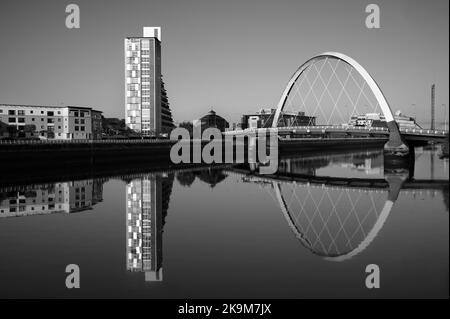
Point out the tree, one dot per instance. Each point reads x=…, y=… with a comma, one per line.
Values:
x=29, y=130
x=188, y=126
x=3, y=128
x=49, y=133
x=116, y=128
x=12, y=131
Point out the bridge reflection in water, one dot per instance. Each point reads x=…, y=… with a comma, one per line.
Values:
x=338, y=217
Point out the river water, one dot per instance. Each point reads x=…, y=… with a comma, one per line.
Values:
x=308, y=231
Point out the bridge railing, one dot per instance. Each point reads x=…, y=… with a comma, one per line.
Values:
x=423, y=131
x=334, y=127
x=325, y=128
x=109, y=141
x=311, y=128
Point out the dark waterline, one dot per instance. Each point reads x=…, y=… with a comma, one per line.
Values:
x=308, y=231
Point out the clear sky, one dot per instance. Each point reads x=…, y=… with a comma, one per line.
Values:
x=232, y=56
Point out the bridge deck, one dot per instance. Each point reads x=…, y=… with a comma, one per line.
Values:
x=347, y=130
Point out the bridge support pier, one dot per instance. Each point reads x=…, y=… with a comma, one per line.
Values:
x=396, y=146
x=399, y=165
x=445, y=148
x=395, y=181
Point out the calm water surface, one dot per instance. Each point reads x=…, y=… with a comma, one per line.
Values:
x=309, y=231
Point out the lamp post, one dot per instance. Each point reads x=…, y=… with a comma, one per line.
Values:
x=445, y=116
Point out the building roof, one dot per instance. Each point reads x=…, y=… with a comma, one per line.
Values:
x=212, y=113
x=50, y=106
x=136, y=37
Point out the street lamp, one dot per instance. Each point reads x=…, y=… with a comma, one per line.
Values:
x=445, y=116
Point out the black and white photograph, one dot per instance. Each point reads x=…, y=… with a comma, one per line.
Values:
x=224, y=155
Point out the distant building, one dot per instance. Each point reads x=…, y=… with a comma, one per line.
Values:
x=378, y=120
x=146, y=105
x=53, y=122
x=211, y=119
x=264, y=118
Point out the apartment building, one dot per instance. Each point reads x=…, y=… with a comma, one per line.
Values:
x=147, y=109
x=53, y=122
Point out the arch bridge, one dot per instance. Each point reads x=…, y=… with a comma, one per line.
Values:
x=331, y=96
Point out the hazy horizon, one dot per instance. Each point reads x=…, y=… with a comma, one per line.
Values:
x=230, y=56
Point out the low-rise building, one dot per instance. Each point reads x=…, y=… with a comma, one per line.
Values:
x=378, y=120
x=264, y=118
x=212, y=120
x=53, y=122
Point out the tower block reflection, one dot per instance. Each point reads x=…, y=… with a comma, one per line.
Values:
x=148, y=199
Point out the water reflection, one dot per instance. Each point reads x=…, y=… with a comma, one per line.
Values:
x=369, y=162
x=50, y=198
x=210, y=176
x=334, y=203
x=338, y=217
x=148, y=199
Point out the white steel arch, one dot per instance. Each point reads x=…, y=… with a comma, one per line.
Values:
x=387, y=112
